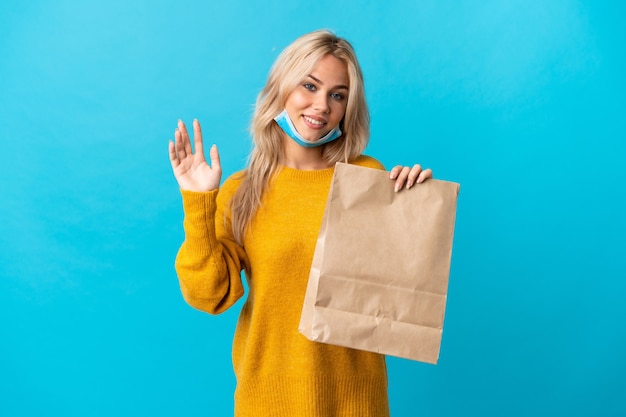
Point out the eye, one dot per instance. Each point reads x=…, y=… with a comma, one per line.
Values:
x=337, y=96
x=309, y=86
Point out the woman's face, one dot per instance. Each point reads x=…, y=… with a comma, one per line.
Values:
x=319, y=102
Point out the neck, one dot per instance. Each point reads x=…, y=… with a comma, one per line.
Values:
x=299, y=157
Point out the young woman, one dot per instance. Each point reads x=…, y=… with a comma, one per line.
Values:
x=265, y=220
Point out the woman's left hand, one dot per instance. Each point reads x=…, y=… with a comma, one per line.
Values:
x=406, y=177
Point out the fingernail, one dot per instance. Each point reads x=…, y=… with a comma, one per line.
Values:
x=408, y=185
x=396, y=188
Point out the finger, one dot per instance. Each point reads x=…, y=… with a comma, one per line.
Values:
x=197, y=139
x=424, y=175
x=172, y=151
x=185, y=137
x=179, y=145
x=393, y=174
x=402, y=176
x=215, y=159
x=413, y=175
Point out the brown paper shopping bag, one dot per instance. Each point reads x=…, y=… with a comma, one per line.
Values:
x=379, y=276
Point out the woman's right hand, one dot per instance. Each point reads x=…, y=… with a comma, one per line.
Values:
x=191, y=169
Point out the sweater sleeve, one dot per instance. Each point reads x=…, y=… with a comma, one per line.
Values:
x=210, y=261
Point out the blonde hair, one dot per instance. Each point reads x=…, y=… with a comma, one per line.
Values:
x=291, y=67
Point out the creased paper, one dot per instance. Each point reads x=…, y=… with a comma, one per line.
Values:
x=379, y=276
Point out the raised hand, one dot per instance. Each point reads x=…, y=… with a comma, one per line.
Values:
x=190, y=168
x=406, y=177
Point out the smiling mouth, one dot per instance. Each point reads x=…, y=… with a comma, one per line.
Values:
x=314, y=122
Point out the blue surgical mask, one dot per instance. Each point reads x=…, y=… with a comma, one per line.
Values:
x=286, y=124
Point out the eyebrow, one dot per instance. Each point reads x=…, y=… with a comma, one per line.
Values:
x=341, y=86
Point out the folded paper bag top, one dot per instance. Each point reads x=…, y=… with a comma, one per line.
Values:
x=379, y=276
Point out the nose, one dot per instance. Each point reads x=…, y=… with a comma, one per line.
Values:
x=321, y=103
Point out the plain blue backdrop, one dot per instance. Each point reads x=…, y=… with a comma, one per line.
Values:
x=522, y=102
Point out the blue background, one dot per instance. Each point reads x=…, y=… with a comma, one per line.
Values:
x=522, y=102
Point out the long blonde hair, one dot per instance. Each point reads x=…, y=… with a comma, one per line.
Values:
x=291, y=67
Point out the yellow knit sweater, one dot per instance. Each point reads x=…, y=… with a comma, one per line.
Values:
x=279, y=372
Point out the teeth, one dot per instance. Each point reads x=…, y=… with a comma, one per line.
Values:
x=315, y=122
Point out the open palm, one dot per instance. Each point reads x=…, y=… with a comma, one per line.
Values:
x=190, y=168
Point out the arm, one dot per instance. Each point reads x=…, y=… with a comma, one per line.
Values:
x=208, y=264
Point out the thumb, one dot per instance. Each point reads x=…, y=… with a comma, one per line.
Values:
x=215, y=158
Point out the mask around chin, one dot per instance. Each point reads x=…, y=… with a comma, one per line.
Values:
x=285, y=123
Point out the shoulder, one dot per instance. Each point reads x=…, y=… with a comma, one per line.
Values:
x=368, y=162
x=230, y=185
x=234, y=181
